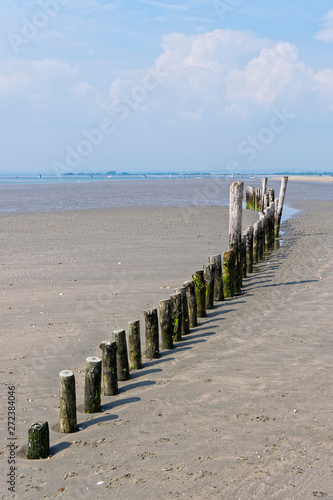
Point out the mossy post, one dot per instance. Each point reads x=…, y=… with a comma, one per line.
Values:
x=119, y=336
x=256, y=243
x=276, y=207
x=209, y=282
x=229, y=273
x=216, y=260
x=152, y=334
x=243, y=253
x=271, y=225
x=282, y=196
x=134, y=345
x=185, y=317
x=109, y=367
x=249, y=250
x=38, y=441
x=261, y=235
x=250, y=198
x=200, y=293
x=263, y=192
x=68, y=420
x=92, y=385
x=166, y=324
x=258, y=199
x=191, y=303
x=176, y=312
x=235, y=230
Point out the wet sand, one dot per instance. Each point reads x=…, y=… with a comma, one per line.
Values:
x=242, y=408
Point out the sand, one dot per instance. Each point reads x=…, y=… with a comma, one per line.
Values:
x=242, y=408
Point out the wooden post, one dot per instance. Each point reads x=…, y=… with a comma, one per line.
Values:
x=134, y=345
x=109, y=367
x=250, y=198
x=38, y=441
x=266, y=201
x=256, y=243
x=191, y=303
x=263, y=192
x=271, y=224
x=276, y=231
x=258, y=200
x=229, y=273
x=209, y=282
x=235, y=230
x=266, y=231
x=68, y=421
x=243, y=250
x=92, y=385
x=261, y=235
x=166, y=324
x=282, y=195
x=176, y=312
x=271, y=195
x=119, y=336
x=152, y=337
x=249, y=250
x=185, y=318
x=200, y=293
x=218, y=282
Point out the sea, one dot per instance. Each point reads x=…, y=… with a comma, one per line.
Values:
x=22, y=194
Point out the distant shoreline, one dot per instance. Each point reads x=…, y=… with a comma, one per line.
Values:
x=311, y=178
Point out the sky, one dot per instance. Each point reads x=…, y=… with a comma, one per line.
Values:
x=225, y=86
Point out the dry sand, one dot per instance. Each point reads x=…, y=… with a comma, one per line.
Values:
x=242, y=408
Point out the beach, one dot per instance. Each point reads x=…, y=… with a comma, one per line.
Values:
x=241, y=408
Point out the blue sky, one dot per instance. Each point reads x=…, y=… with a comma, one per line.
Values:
x=225, y=86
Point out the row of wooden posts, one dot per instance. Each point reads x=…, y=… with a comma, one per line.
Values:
x=221, y=277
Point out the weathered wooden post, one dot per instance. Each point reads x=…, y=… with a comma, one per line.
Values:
x=263, y=192
x=134, y=345
x=250, y=198
x=185, y=318
x=282, y=196
x=218, y=282
x=261, y=235
x=249, y=250
x=191, y=303
x=266, y=230
x=209, y=282
x=243, y=252
x=271, y=224
x=256, y=242
x=38, y=441
x=119, y=336
x=258, y=200
x=235, y=230
x=271, y=195
x=229, y=273
x=200, y=293
x=166, y=324
x=176, y=311
x=68, y=421
x=152, y=335
x=109, y=367
x=92, y=385
x=266, y=201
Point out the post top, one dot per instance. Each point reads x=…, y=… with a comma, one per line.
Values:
x=93, y=359
x=66, y=373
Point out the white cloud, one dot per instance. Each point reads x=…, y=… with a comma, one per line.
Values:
x=323, y=83
x=326, y=33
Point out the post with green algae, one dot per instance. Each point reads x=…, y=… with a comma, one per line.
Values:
x=152, y=334
x=109, y=367
x=229, y=273
x=166, y=324
x=218, y=281
x=261, y=235
x=249, y=250
x=38, y=441
x=209, y=282
x=258, y=200
x=185, y=317
x=191, y=303
x=68, y=420
x=134, y=345
x=243, y=254
x=235, y=230
x=250, y=198
x=282, y=196
x=123, y=373
x=256, y=243
x=176, y=313
x=92, y=385
x=200, y=293
x=271, y=225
